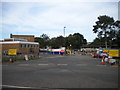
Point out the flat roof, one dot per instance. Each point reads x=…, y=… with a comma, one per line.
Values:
x=18, y=42
x=22, y=35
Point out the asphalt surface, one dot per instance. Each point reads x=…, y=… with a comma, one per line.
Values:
x=52, y=72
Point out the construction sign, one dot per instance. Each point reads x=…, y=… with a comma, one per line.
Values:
x=114, y=53
x=106, y=50
x=12, y=51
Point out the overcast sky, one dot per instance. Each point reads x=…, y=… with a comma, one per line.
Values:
x=50, y=17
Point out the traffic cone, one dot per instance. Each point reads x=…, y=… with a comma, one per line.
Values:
x=102, y=62
x=11, y=60
x=119, y=64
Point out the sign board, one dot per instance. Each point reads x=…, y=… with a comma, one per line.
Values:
x=12, y=51
x=114, y=53
x=106, y=50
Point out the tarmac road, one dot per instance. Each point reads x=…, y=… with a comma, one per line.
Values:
x=59, y=72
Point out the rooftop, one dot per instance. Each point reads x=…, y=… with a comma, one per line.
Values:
x=16, y=42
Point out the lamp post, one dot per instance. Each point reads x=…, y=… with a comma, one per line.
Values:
x=64, y=37
x=70, y=46
x=64, y=31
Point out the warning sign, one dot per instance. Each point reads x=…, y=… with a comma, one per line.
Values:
x=114, y=53
x=12, y=51
x=106, y=50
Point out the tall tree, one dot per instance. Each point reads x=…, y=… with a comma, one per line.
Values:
x=43, y=40
x=75, y=41
x=103, y=27
x=116, y=33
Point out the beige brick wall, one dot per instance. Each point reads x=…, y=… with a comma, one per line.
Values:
x=21, y=49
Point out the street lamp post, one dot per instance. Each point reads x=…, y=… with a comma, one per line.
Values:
x=64, y=37
x=70, y=46
x=64, y=31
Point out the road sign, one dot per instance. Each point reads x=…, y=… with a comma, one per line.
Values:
x=12, y=51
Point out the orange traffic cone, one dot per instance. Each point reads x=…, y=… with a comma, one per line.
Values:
x=118, y=65
x=102, y=62
x=11, y=60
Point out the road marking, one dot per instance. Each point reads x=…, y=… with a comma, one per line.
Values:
x=59, y=56
x=42, y=64
x=81, y=64
x=3, y=65
x=23, y=64
x=100, y=65
x=50, y=57
x=55, y=57
x=14, y=86
x=62, y=64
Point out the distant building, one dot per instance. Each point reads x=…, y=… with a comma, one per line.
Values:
x=23, y=45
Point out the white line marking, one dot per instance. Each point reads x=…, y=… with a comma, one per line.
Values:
x=4, y=65
x=62, y=64
x=81, y=64
x=59, y=56
x=100, y=65
x=50, y=57
x=14, y=86
x=42, y=64
x=23, y=64
x=55, y=57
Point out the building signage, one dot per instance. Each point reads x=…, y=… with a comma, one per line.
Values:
x=12, y=51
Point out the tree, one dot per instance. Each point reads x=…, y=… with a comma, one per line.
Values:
x=57, y=42
x=43, y=40
x=75, y=41
x=103, y=27
x=97, y=42
x=45, y=37
x=113, y=36
x=116, y=33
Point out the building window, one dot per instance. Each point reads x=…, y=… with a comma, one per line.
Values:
x=34, y=46
x=26, y=45
x=23, y=45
